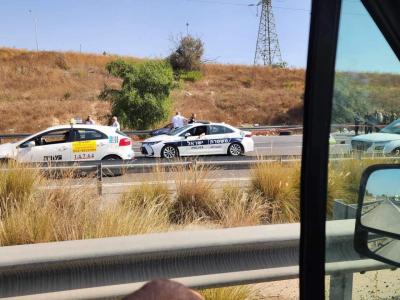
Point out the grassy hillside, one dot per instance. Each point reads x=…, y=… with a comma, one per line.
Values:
x=39, y=89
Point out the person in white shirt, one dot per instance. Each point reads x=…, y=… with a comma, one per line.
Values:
x=89, y=120
x=115, y=123
x=178, y=120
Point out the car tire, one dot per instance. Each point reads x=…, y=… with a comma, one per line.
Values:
x=235, y=149
x=112, y=171
x=169, y=152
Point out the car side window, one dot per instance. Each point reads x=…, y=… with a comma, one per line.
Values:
x=88, y=134
x=50, y=138
x=196, y=131
x=219, y=129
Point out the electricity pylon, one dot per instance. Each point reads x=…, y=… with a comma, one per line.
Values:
x=268, y=51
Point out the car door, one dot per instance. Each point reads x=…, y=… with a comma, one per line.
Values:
x=53, y=145
x=218, y=139
x=89, y=144
x=194, y=141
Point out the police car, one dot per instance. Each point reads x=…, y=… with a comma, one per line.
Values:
x=70, y=143
x=201, y=138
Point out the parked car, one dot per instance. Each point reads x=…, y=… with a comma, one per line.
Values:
x=199, y=139
x=70, y=143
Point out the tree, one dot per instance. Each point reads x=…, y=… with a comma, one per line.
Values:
x=143, y=99
x=187, y=55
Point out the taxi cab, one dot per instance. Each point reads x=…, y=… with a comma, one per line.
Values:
x=70, y=143
x=201, y=138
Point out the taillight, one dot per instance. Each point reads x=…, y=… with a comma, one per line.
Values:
x=249, y=134
x=125, y=142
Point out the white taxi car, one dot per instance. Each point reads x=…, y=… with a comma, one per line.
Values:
x=70, y=143
x=201, y=138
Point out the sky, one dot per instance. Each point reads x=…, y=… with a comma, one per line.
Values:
x=384, y=182
x=361, y=46
x=145, y=28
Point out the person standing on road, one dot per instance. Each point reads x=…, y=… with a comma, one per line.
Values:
x=192, y=119
x=178, y=120
x=115, y=123
x=357, y=120
x=89, y=120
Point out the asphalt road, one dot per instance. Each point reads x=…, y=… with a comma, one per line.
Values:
x=274, y=146
x=385, y=216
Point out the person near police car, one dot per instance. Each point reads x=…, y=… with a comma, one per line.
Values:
x=115, y=123
x=178, y=120
x=192, y=118
x=89, y=120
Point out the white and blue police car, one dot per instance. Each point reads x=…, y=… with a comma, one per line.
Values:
x=200, y=138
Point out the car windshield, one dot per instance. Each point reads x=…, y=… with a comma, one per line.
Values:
x=393, y=127
x=178, y=130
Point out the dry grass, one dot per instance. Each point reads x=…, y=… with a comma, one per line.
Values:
x=345, y=175
x=242, y=292
x=279, y=186
x=195, y=198
x=236, y=207
x=40, y=89
x=67, y=212
x=244, y=95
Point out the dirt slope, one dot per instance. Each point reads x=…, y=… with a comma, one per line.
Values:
x=39, y=89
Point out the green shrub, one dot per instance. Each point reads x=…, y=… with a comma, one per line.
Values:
x=143, y=99
x=191, y=76
x=187, y=55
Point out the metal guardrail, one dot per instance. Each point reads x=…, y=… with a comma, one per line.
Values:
x=114, y=267
x=144, y=132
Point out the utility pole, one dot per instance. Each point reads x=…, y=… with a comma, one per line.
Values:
x=35, y=21
x=187, y=28
x=267, y=52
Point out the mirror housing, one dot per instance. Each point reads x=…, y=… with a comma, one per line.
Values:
x=377, y=232
x=29, y=144
x=187, y=134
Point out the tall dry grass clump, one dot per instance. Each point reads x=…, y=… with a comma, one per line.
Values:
x=236, y=207
x=16, y=183
x=69, y=209
x=195, y=198
x=240, y=292
x=279, y=186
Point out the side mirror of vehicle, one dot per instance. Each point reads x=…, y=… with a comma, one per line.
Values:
x=29, y=144
x=377, y=232
x=187, y=134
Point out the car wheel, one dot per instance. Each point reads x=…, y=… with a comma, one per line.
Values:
x=169, y=152
x=235, y=149
x=116, y=171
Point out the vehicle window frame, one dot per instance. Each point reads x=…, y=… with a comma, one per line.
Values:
x=225, y=129
x=192, y=128
x=39, y=136
x=105, y=136
x=318, y=96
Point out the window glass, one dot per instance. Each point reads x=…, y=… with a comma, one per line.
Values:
x=228, y=65
x=51, y=137
x=197, y=130
x=218, y=129
x=364, y=122
x=88, y=134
